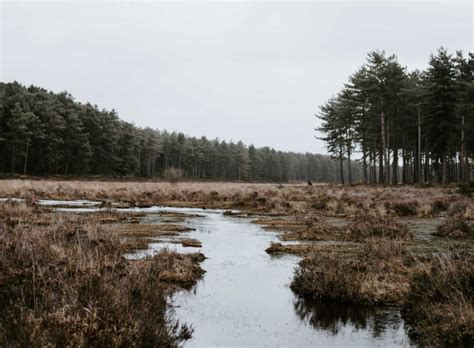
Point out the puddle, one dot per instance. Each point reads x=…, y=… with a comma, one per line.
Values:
x=72, y=203
x=422, y=228
x=11, y=200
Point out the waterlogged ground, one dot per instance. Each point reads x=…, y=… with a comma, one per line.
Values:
x=244, y=297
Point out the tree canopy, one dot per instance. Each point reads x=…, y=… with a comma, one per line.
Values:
x=426, y=117
x=45, y=133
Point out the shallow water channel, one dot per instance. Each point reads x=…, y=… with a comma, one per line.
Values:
x=244, y=298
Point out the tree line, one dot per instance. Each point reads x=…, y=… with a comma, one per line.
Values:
x=46, y=133
x=406, y=127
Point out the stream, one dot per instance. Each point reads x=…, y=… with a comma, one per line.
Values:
x=244, y=298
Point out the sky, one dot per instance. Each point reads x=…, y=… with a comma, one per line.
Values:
x=250, y=71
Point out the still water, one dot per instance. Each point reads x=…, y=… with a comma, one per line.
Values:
x=244, y=298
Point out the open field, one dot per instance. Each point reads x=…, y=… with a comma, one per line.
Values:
x=409, y=247
x=330, y=200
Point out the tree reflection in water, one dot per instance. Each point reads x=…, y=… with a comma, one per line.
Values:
x=332, y=316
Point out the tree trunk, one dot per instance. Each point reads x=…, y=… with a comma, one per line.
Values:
x=463, y=174
x=395, y=166
x=370, y=168
x=139, y=164
x=444, y=169
x=382, y=149
x=13, y=159
x=387, y=158
x=364, y=147
x=341, y=165
x=26, y=158
x=395, y=154
x=418, y=164
x=364, y=165
x=404, y=162
x=427, y=163
x=349, y=169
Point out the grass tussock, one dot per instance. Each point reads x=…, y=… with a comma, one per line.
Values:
x=137, y=235
x=404, y=208
x=66, y=283
x=440, y=304
x=303, y=228
x=372, y=226
x=309, y=228
x=455, y=227
x=295, y=249
x=374, y=273
x=191, y=243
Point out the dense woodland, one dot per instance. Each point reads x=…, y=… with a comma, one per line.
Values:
x=402, y=127
x=43, y=133
x=409, y=127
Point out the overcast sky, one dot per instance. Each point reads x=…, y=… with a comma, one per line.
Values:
x=255, y=72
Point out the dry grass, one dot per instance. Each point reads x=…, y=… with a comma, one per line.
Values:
x=376, y=272
x=137, y=236
x=440, y=304
x=298, y=227
x=434, y=289
x=455, y=227
x=355, y=250
x=191, y=243
x=295, y=249
x=330, y=200
x=370, y=226
x=66, y=283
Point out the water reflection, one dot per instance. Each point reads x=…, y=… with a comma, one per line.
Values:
x=332, y=317
x=244, y=298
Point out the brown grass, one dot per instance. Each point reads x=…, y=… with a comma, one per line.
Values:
x=370, y=226
x=379, y=262
x=374, y=273
x=455, y=227
x=440, y=304
x=191, y=243
x=331, y=200
x=295, y=249
x=66, y=283
x=297, y=227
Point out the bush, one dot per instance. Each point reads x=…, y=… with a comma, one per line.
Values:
x=173, y=175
